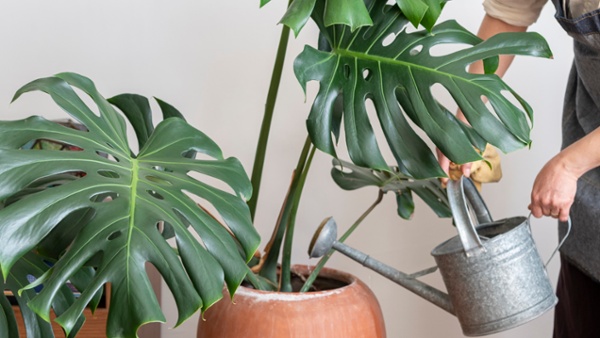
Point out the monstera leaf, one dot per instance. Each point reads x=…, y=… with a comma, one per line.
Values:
x=395, y=70
x=354, y=14
x=424, y=12
x=120, y=199
x=352, y=177
x=351, y=13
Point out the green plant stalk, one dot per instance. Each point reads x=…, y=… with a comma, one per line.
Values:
x=315, y=273
x=269, y=269
x=263, y=139
x=286, y=265
x=258, y=283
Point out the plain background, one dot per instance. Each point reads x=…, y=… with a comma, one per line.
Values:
x=212, y=60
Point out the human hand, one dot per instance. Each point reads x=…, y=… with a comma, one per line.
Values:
x=445, y=163
x=553, y=190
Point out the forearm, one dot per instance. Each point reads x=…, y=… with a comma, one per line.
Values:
x=555, y=186
x=581, y=156
x=491, y=26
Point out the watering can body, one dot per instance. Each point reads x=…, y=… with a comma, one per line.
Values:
x=498, y=288
x=492, y=270
x=493, y=274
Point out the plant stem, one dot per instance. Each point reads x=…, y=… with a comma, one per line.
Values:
x=286, y=265
x=258, y=283
x=313, y=276
x=263, y=139
x=269, y=269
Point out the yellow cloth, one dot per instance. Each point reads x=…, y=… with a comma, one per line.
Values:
x=481, y=172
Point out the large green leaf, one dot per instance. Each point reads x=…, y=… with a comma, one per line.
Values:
x=351, y=177
x=124, y=197
x=398, y=76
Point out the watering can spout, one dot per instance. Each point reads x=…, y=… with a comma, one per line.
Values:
x=325, y=239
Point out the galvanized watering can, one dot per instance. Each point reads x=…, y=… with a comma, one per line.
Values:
x=492, y=271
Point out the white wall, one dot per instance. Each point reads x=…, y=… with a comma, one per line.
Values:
x=213, y=60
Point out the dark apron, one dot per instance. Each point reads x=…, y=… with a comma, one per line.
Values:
x=581, y=115
x=577, y=312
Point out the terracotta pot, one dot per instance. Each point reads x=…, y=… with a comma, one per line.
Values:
x=350, y=311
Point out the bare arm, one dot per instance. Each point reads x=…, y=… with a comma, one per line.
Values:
x=491, y=26
x=555, y=186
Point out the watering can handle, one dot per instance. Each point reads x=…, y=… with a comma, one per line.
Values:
x=560, y=244
x=463, y=196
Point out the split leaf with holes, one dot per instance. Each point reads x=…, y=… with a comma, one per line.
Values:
x=396, y=71
x=119, y=199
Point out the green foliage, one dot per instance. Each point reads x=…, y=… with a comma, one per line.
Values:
x=115, y=205
x=32, y=266
x=424, y=12
x=351, y=13
x=397, y=76
x=100, y=213
x=351, y=177
x=354, y=14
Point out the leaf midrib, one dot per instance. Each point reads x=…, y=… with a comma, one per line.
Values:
x=132, y=206
x=340, y=52
x=381, y=59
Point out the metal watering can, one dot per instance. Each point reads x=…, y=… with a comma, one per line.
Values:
x=492, y=271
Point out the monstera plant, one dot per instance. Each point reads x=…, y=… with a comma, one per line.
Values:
x=368, y=59
x=99, y=212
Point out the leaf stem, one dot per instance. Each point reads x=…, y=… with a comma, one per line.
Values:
x=263, y=139
x=315, y=273
x=269, y=269
x=286, y=283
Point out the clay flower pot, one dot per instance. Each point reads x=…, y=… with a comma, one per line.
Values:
x=349, y=311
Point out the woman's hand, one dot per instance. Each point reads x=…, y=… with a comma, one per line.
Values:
x=554, y=190
x=444, y=162
x=555, y=186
